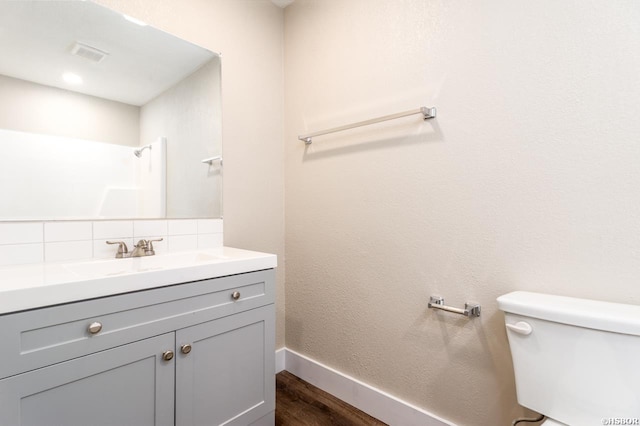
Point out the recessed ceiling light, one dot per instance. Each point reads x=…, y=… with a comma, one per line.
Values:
x=135, y=21
x=72, y=78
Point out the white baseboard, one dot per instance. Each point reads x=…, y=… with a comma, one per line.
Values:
x=280, y=359
x=372, y=401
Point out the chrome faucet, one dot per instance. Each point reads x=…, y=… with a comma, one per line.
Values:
x=140, y=249
x=143, y=248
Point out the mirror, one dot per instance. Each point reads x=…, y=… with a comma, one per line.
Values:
x=103, y=116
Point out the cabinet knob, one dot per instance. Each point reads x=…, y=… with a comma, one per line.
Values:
x=95, y=327
x=185, y=349
x=235, y=295
x=167, y=356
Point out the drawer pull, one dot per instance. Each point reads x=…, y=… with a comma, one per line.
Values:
x=235, y=295
x=95, y=328
x=185, y=349
x=167, y=356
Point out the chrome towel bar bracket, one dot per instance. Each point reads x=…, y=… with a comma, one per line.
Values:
x=470, y=309
x=427, y=113
x=210, y=160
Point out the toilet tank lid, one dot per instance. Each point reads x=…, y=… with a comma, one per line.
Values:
x=607, y=316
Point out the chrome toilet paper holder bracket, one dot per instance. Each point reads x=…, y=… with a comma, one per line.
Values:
x=470, y=309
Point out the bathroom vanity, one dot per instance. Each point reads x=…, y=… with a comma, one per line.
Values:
x=182, y=339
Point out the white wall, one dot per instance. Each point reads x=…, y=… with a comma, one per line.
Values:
x=249, y=34
x=527, y=180
x=151, y=171
x=189, y=116
x=31, y=107
x=52, y=177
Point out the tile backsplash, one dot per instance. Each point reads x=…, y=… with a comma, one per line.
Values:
x=34, y=242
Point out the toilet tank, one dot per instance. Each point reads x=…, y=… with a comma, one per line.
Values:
x=580, y=363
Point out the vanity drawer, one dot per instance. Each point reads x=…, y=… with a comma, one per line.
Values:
x=41, y=337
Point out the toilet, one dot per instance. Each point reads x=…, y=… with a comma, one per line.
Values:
x=576, y=361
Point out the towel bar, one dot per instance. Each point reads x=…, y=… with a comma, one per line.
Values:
x=470, y=309
x=427, y=113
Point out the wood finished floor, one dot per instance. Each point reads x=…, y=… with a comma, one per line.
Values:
x=299, y=403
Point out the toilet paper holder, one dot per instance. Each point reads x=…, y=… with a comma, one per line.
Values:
x=470, y=309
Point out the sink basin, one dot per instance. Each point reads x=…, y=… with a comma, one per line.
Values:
x=37, y=285
x=111, y=267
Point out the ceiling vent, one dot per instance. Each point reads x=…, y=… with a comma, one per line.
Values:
x=89, y=53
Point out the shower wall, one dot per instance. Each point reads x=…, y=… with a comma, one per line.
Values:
x=69, y=155
x=62, y=177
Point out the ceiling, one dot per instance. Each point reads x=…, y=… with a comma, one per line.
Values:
x=133, y=73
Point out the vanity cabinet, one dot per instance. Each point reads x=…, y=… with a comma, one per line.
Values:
x=223, y=379
x=199, y=353
x=126, y=385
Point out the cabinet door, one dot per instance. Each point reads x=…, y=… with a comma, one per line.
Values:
x=228, y=377
x=129, y=385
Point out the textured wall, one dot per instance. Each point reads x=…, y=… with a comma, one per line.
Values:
x=249, y=35
x=34, y=108
x=527, y=180
x=189, y=116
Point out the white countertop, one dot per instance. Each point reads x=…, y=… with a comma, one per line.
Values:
x=44, y=284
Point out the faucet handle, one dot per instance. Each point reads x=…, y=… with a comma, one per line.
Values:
x=143, y=244
x=122, y=248
x=150, y=251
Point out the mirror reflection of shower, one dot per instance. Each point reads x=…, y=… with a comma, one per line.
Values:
x=138, y=152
